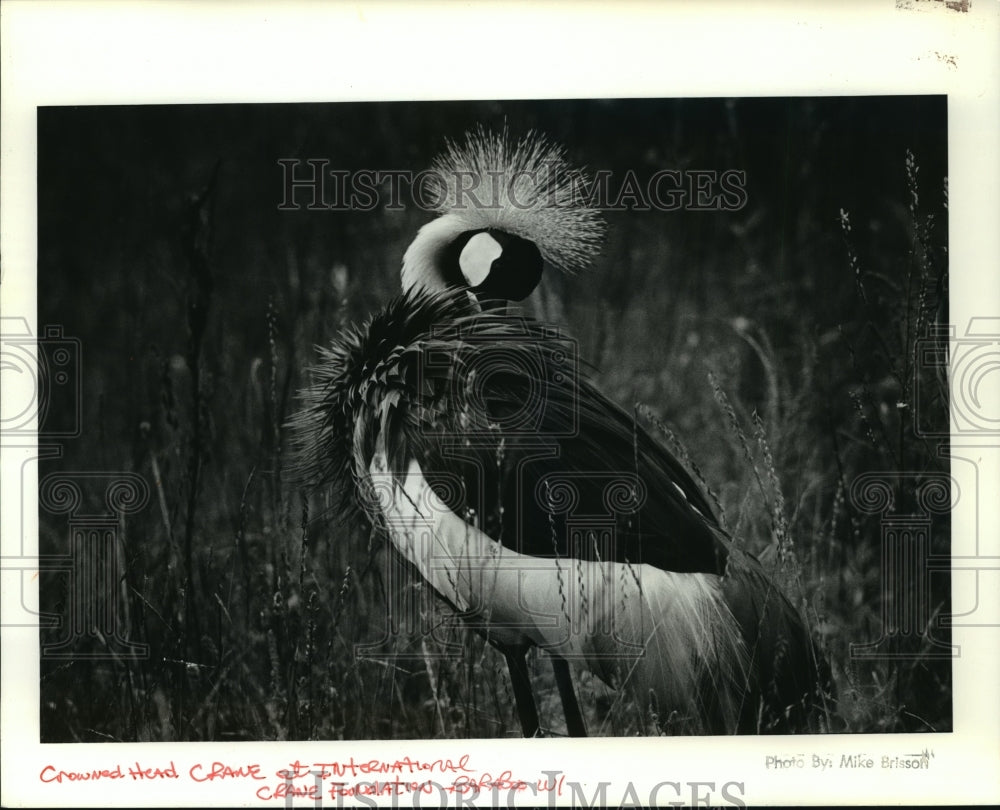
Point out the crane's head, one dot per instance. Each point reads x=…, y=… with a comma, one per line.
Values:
x=505, y=210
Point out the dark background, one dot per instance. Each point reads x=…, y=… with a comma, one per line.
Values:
x=776, y=347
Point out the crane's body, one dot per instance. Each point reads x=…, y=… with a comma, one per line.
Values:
x=668, y=638
x=468, y=439
x=539, y=510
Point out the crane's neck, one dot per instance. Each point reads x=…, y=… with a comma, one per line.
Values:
x=422, y=260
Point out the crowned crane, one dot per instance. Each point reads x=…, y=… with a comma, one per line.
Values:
x=469, y=435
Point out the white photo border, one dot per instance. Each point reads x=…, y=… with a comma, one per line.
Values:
x=162, y=52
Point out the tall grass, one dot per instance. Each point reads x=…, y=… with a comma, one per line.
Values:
x=266, y=618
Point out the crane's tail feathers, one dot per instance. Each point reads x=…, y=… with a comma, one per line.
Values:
x=525, y=188
x=720, y=655
x=790, y=687
x=678, y=650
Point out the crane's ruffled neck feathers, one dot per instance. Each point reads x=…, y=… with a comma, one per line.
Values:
x=333, y=434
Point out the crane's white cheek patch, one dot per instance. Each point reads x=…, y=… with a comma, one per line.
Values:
x=477, y=257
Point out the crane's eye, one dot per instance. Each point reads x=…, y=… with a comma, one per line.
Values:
x=493, y=264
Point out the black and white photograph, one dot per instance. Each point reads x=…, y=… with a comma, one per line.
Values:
x=671, y=429
x=412, y=443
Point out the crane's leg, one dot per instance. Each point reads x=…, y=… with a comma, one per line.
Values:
x=527, y=713
x=575, y=726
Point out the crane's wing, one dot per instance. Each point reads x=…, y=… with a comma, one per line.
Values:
x=667, y=637
x=517, y=443
x=509, y=431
